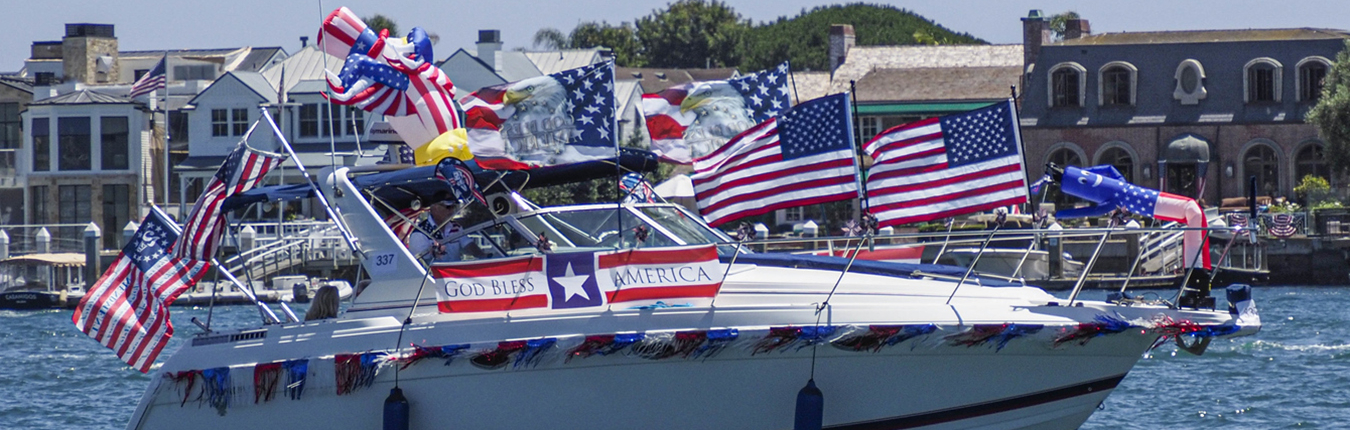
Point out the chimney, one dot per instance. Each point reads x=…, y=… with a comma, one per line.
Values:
x=1035, y=34
x=841, y=39
x=304, y=41
x=82, y=49
x=1076, y=28
x=489, y=42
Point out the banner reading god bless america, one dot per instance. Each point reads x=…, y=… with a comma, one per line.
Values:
x=633, y=277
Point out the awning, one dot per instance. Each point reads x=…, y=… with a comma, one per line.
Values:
x=1187, y=148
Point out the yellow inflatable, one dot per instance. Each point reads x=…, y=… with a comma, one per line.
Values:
x=453, y=143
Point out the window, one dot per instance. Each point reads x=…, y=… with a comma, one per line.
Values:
x=205, y=72
x=1066, y=85
x=1261, y=161
x=116, y=143
x=309, y=120
x=868, y=127
x=136, y=76
x=73, y=205
x=178, y=126
x=42, y=142
x=1190, y=88
x=42, y=79
x=10, y=125
x=73, y=143
x=792, y=214
x=1311, y=160
x=1117, y=81
x=116, y=212
x=356, y=121
x=1311, y=74
x=1262, y=80
x=38, y=212
x=331, y=124
x=220, y=122
x=240, y=126
x=1119, y=158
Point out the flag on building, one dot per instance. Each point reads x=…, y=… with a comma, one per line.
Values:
x=153, y=80
x=632, y=277
x=242, y=170
x=946, y=166
x=561, y=118
x=127, y=309
x=691, y=120
x=803, y=157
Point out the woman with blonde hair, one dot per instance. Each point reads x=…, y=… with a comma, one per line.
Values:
x=325, y=304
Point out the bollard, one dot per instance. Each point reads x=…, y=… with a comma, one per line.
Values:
x=129, y=231
x=92, y=246
x=4, y=245
x=247, y=236
x=43, y=240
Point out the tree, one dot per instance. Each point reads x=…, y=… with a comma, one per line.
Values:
x=692, y=33
x=804, y=39
x=621, y=40
x=1331, y=115
x=551, y=38
x=379, y=22
x=1060, y=21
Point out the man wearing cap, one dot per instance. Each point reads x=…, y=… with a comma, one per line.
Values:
x=428, y=239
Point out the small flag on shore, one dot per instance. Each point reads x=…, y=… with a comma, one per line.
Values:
x=151, y=81
x=127, y=309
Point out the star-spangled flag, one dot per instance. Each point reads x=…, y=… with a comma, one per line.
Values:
x=155, y=79
x=242, y=170
x=561, y=118
x=691, y=120
x=942, y=167
x=803, y=157
x=631, y=277
x=127, y=309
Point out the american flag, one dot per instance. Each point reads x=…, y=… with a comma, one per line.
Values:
x=403, y=222
x=127, y=309
x=762, y=94
x=242, y=170
x=371, y=86
x=803, y=157
x=151, y=81
x=941, y=167
x=561, y=118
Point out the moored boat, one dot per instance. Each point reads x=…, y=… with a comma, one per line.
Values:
x=41, y=281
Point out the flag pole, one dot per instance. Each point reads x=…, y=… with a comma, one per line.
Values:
x=618, y=154
x=165, y=108
x=792, y=77
x=328, y=208
x=1022, y=148
x=863, y=204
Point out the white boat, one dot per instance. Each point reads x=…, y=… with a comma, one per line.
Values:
x=887, y=349
x=42, y=281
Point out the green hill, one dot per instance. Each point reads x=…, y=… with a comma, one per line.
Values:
x=805, y=39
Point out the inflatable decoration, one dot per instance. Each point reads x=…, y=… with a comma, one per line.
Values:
x=1106, y=188
x=395, y=77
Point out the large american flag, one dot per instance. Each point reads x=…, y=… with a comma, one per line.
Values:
x=153, y=80
x=562, y=118
x=803, y=157
x=127, y=309
x=242, y=170
x=762, y=95
x=941, y=167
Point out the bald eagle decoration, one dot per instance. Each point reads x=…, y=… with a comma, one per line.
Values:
x=561, y=118
x=694, y=119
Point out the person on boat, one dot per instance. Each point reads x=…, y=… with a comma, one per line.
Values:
x=325, y=304
x=429, y=238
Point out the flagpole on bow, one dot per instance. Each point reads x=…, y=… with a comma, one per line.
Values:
x=863, y=205
x=1032, y=205
x=618, y=155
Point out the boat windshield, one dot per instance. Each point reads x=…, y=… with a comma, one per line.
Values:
x=597, y=228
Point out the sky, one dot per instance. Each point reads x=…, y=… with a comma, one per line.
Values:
x=181, y=24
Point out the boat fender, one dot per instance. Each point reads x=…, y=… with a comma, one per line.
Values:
x=810, y=408
x=1238, y=293
x=396, y=410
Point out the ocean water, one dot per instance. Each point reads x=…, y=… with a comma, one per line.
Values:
x=1294, y=374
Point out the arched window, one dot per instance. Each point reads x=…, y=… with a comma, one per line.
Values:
x=1117, y=84
x=1119, y=158
x=1261, y=161
x=1067, y=85
x=1311, y=160
x=1262, y=80
x=1065, y=155
x=1311, y=72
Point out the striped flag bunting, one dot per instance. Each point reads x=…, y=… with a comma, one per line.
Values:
x=803, y=157
x=127, y=309
x=942, y=167
x=242, y=170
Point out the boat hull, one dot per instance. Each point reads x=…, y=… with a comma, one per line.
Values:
x=36, y=300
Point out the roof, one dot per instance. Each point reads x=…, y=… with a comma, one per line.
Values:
x=515, y=66
x=654, y=80
x=623, y=93
x=809, y=85
x=257, y=58
x=1206, y=36
x=864, y=59
x=307, y=64
x=20, y=83
x=550, y=62
x=83, y=97
x=717, y=74
x=54, y=259
x=938, y=84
